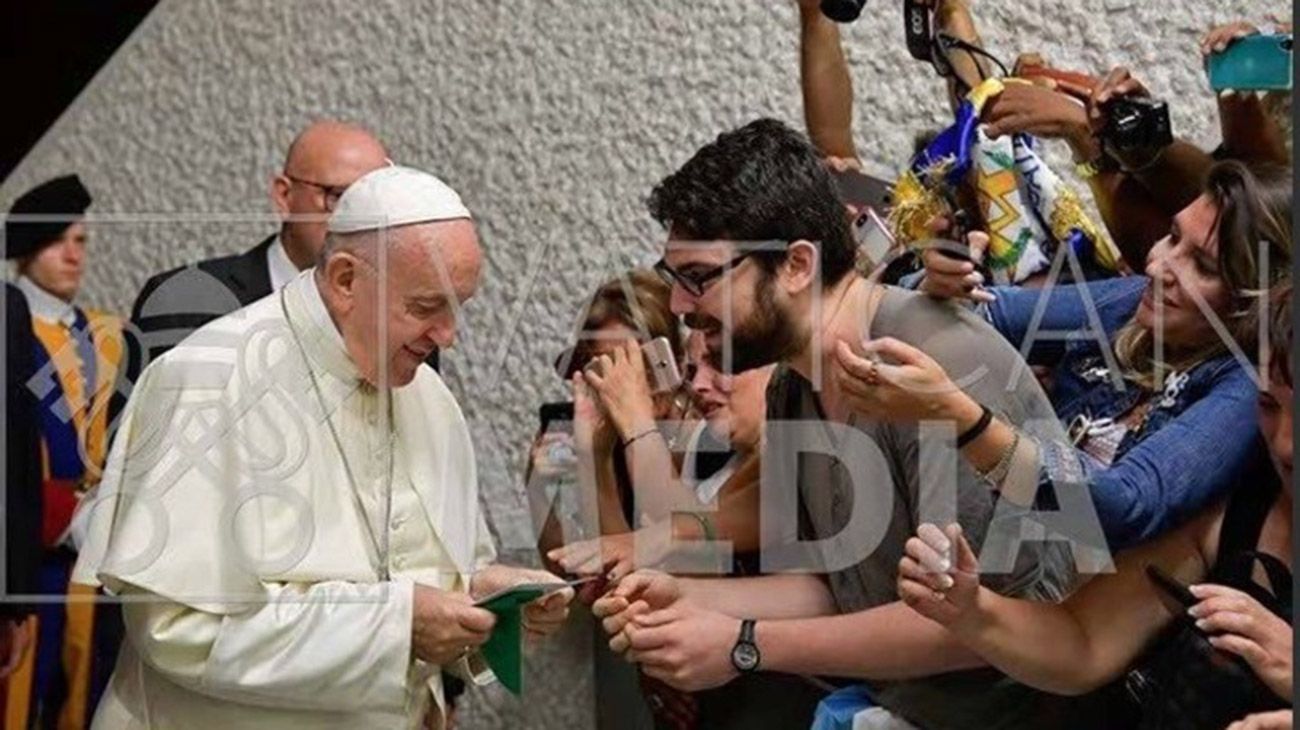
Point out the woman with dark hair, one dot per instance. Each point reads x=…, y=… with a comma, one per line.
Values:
x=1146, y=372
x=1201, y=614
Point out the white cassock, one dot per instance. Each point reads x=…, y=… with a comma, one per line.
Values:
x=228, y=521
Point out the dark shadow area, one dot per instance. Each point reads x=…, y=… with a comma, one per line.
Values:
x=50, y=50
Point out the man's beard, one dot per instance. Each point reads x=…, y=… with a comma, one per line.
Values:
x=769, y=335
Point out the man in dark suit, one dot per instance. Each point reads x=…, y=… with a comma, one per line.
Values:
x=322, y=161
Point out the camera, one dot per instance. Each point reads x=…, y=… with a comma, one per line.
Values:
x=1138, y=123
x=842, y=11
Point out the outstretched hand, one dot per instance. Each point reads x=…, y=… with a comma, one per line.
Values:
x=939, y=575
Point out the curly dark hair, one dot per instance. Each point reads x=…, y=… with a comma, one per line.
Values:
x=763, y=181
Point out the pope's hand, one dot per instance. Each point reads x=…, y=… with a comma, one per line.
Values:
x=446, y=625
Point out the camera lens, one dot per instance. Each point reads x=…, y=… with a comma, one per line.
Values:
x=842, y=11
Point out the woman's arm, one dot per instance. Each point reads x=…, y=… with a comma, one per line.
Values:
x=825, y=82
x=1035, y=320
x=622, y=385
x=656, y=544
x=1250, y=133
x=1132, y=216
x=954, y=18
x=1068, y=648
x=1177, y=471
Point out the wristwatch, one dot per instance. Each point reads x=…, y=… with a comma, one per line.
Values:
x=744, y=655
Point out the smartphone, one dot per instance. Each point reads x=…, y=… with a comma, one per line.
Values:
x=860, y=190
x=1173, y=594
x=562, y=412
x=873, y=236
x=957, y=231
x=665, y=376
x=1253, y=63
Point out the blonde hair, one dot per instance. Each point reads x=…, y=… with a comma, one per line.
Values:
x=646, y=310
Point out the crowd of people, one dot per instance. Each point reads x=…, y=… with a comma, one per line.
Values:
x=932, y=452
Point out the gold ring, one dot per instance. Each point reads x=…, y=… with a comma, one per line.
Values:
x=873, y=375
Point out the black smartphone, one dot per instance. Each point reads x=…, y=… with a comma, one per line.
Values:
x=1174, y=595
x=554, y=412
x=957, y=231
x=861, y=191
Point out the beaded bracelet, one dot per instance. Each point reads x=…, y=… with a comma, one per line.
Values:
x=996, y=475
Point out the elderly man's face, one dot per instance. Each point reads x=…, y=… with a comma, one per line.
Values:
x=432, y=270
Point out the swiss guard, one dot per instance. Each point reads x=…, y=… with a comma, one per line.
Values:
x=77, y=355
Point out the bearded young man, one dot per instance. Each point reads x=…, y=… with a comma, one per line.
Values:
x=761, y=260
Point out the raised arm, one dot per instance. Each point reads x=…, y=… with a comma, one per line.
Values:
x=621, y=384
x=827, y=87
x=1172, y=175
x=1068, y=648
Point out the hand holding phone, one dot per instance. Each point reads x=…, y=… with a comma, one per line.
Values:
x=1253, y=63
x=665, y=375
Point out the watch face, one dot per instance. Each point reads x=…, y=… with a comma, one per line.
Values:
x=745, y=656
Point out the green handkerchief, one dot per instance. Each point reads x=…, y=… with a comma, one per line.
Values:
x=504, y=649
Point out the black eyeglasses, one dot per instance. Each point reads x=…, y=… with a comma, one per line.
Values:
x=330, y=193
x=695, y=282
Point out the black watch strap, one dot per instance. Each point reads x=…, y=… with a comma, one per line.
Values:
x=747, y=631
x=745, y=656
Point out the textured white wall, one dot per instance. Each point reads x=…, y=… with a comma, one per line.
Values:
x=552, y=117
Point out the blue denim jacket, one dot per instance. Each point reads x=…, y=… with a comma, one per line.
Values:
x=1197, y=438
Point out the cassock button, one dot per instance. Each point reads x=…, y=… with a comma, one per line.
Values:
x=397, y=522
x=399, y=562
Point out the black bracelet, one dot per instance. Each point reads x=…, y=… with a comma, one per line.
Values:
x=639, y=436
x=974, y=432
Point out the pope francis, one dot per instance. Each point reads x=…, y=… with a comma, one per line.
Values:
x=290, y=509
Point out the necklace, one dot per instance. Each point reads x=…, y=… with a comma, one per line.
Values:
x=380, y=544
